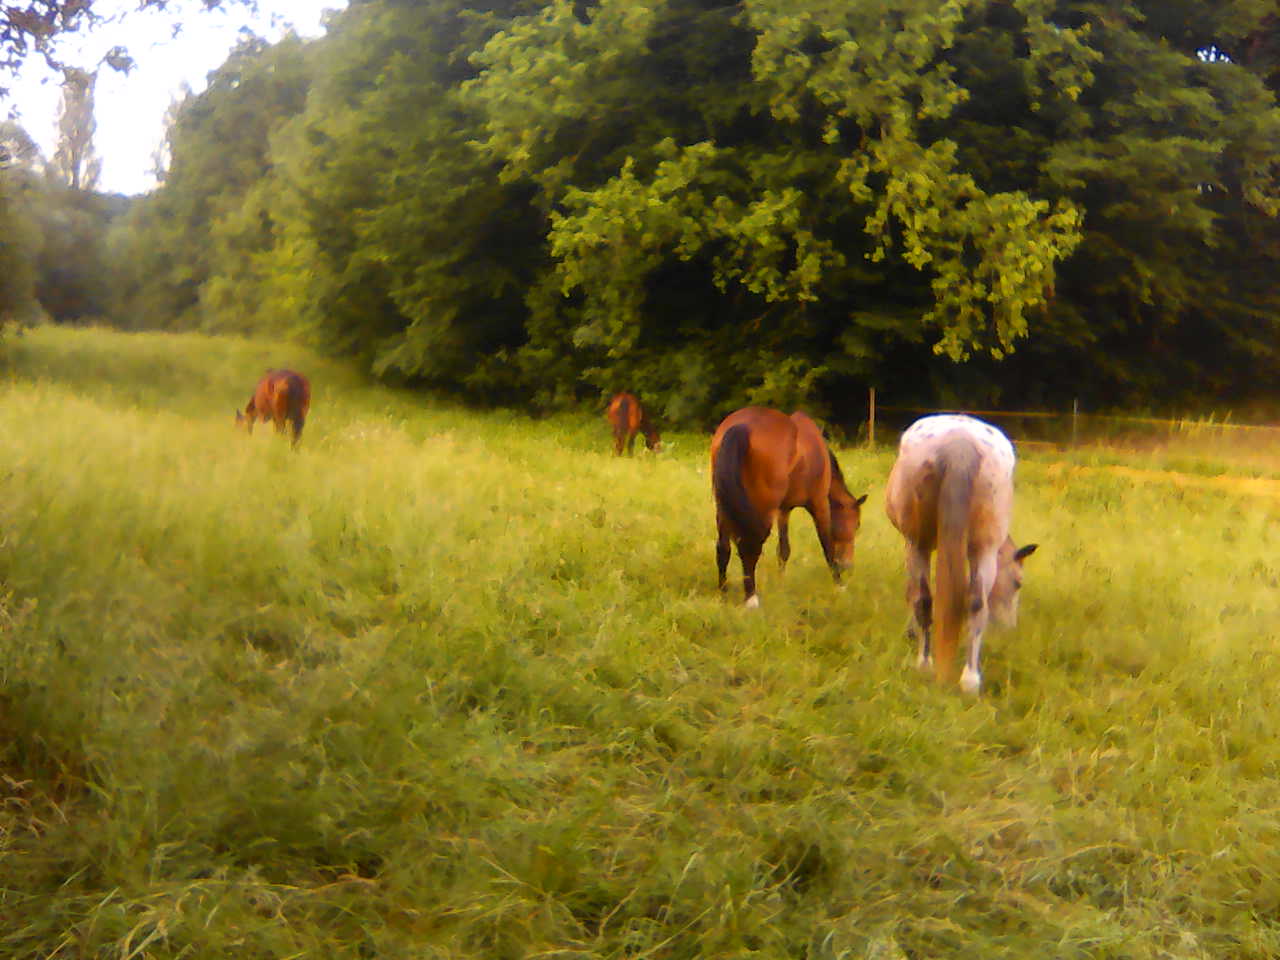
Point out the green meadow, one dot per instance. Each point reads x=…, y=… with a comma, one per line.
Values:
x=445, y=683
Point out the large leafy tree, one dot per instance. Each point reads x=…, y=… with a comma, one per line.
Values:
x=863, y=182
x=789, y=168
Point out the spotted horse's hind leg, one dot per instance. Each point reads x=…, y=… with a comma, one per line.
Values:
x=920, y=603
x=980, y=582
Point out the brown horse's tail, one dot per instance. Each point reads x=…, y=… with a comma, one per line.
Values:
x=726, y=481
x=297, y=399
x=958, y=467
x=623, y=423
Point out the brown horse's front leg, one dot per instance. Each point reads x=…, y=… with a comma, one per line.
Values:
x=821, y=513
x=784, y=539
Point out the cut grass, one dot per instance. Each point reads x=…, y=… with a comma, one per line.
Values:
x=453, y=684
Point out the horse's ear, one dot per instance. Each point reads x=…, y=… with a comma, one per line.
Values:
x=863, y=499
x=1023, y=552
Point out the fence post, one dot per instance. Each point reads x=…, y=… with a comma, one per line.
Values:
x=871, y=417
x=1075, y=417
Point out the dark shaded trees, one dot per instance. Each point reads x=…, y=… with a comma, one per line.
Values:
x=398, y=242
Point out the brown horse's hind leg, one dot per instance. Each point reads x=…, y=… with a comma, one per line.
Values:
x=784, y=540
x=749, y=554
x=723, y=550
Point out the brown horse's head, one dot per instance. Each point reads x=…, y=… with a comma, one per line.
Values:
x=246, y=417
x=846, y=518
x=1003, y=600
x=651, y=439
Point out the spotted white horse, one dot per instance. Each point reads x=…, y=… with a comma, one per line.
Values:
x=951, y=489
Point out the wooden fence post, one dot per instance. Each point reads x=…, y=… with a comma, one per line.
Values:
x=871, y=417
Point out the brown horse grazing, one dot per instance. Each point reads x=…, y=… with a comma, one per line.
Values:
x=628, y=418
x=281, y=396
x=763, y=465
x=951, y=489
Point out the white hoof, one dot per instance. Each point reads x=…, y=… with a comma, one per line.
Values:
x=970, y=681
x=924, y=664
x=752, y=601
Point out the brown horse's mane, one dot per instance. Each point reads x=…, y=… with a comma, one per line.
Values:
x=837, y=475
x=835, y=465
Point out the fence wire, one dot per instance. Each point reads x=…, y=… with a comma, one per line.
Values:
x=1066, y=430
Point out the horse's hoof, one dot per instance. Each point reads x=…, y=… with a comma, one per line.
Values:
x=924, y=664
x=752, y=601
x=970, y=681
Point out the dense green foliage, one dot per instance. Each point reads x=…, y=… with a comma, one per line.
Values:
x=442, y=684
x=207, y=229
x=978, y=201
x=19, y=244
x=55, y=258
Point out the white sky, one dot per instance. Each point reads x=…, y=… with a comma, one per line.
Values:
x=130, y=109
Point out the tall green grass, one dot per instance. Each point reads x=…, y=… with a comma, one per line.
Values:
x=449, y=684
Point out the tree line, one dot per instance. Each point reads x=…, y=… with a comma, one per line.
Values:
x=1003, y=202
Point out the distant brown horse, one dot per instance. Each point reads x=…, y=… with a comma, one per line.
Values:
x=763, y=465
x=951, y=489
x=628, y=418
x=281, y=396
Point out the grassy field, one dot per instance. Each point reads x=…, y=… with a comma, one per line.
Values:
x=445, y=684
